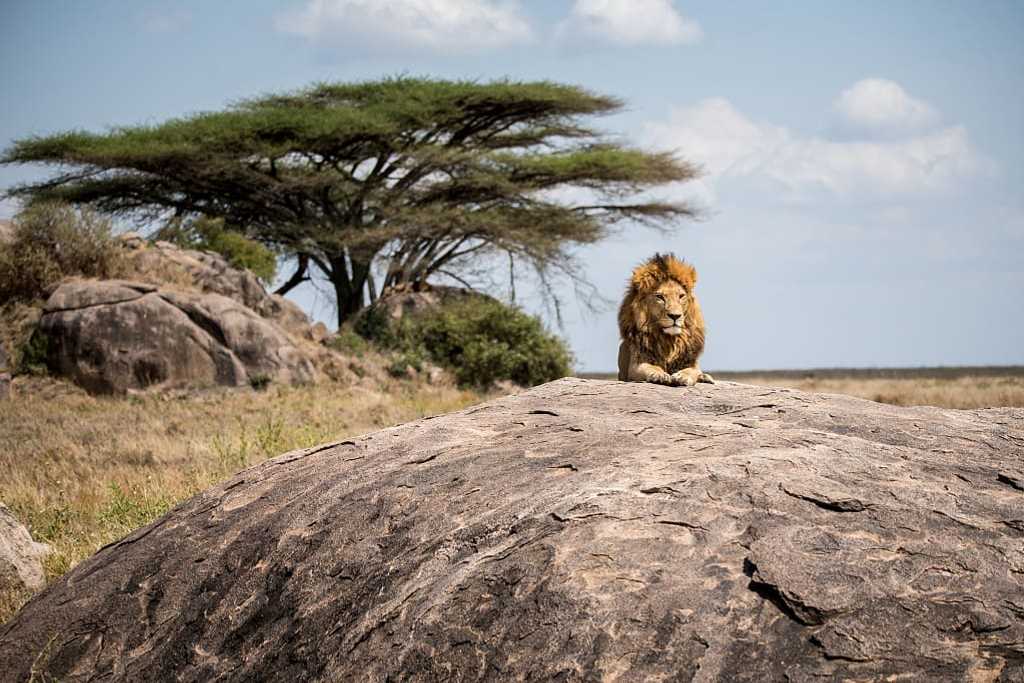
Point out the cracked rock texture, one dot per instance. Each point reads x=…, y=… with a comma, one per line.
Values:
x=582, y=530
x=115, y=336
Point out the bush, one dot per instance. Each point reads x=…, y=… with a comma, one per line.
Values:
x=479, y=339
x=33, y=355
x=260, y=381
x=51, y=242
x=348, y=342
x=209, y=234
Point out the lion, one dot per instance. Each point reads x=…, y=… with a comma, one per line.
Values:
x=661, y=325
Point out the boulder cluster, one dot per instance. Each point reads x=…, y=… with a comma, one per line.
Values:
x=189, y=320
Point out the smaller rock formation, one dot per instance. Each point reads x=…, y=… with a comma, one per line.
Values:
x=21, y=567
x=116, y=336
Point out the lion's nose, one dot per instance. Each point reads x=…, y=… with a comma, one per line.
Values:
x=675, y=316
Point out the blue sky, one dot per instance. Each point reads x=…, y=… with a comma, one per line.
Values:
x=863, y=160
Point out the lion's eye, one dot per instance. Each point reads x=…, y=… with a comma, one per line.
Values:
x=660, y=298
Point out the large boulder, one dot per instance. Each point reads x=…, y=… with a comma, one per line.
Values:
x=583, y=530
x=116, y=336
x=21, y=558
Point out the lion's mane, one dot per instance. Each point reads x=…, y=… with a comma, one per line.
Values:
x=641, y=332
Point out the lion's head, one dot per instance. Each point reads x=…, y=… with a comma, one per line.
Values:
x=660, y=312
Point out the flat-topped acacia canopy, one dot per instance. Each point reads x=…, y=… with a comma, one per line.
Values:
x=414, y=174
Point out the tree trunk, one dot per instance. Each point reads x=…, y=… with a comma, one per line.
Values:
x=348, y=277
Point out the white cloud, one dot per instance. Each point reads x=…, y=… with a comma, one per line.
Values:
x=876, y=104
x=629, y=22
x=166, y=20
x=733, y=147
x=383, y=26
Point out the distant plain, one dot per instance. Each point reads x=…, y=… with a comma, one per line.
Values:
x=965, y=387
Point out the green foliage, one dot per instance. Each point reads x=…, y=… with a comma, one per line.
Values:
x=51, y=242
x=128, y=510
x=269, y=439
x=259, y=381
x=348, y=341
x=210, y=234
x=375, y=325
x=400, y=364
x=480, y=339
x=34, y=354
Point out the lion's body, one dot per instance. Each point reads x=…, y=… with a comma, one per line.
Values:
x=661, y=325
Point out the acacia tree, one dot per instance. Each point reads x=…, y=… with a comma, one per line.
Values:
x=411, y=176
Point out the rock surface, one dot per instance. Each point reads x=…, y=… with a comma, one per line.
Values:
x=113, y=336
x=162, y=262
x=582, y=530
x=21, y=558
x=208, y=271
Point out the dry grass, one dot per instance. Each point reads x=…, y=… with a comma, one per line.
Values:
x=945, y=387
x=967, y=392
x=83, y=471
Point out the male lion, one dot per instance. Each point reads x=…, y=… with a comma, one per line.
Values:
x=661, y=325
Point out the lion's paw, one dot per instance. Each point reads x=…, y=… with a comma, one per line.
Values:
x=686, y=377
x=705, y=377
x=661, y=377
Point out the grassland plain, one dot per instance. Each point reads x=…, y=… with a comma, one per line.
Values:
x=945, y=387
x=82, y=471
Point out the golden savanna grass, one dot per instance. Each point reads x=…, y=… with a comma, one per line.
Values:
x=83, y=471
x=965, y=392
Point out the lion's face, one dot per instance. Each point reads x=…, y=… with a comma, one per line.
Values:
x=667, y=307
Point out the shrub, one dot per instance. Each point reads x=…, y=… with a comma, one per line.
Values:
x=210, y=234
x=260, y=381
x=480, y=339
x=348, y=341
x=51, y=242
x=400, y=365
x=33, y=355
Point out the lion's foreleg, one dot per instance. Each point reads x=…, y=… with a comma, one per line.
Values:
x=631, y=369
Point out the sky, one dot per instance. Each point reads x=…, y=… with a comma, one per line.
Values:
x=861, y=196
